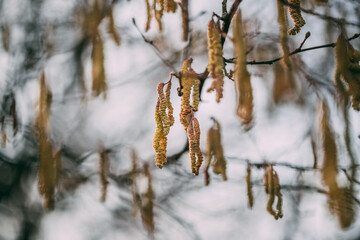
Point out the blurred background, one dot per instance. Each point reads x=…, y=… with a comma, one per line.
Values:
x=79, y=78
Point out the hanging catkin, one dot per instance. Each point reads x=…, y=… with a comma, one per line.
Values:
x=112, y=28
x=216, y=62
x=242, y=77
x=103, y=172
x=147, y=200
x=347, y=70
x=284, y=82
x=249, y=187
x=295, y=13
x=163, y=122
x=214, y=149
x=170, y=6
x=272, y=188
x=98, y=71
x=149, y=15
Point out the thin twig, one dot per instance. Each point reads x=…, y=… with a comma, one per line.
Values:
x=157, y=51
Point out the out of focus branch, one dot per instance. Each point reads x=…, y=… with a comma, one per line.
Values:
x=339, y=21
x=296, y=51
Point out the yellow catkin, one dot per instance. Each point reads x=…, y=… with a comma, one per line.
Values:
x=187, y=81
x=98, y=71
x=198, y=152
x=45, y=99
x=196, y=94
x=147, y=200
x=242, y=77
x=149, y=15
x=168, y=103
x=163, y=122
x=347, y=59
x=249, y=187
x=216, y=62
x=103, y=172
x=295, y=14
x=170, y=6
x=112, y=28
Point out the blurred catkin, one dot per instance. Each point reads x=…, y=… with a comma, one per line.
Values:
x=243, y=86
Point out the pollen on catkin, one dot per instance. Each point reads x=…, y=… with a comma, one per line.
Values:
x=243, y=86
x=163, y=122
x=295, y=13
x=216, y=62
x=158, y=12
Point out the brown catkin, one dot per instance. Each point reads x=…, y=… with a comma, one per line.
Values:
x=47, y=171
x=347, y=58
x=249, y=187
x=284, y=83
x=209, y=153
x=147, y=200
x=112, y=29
x=149, y=15
x=170, y=6
x=158, y=141
x=216, y=62
x=98, y=71
x=329, y=168
x=45, y=99
x=103, y=172
x=185, y=19
x=158, y=12
x=242, y=77
x=295, y=14
x=136, y=204
x=192, y=147
x=272, y=188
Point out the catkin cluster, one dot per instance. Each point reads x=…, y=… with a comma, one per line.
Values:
x=214, y=150
x=216, y=62
x=163, y=122
x=272, y=188
x=295, y=13
x=156, y=9
x=242, y=77
x=348, y=71
x=190, y=87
